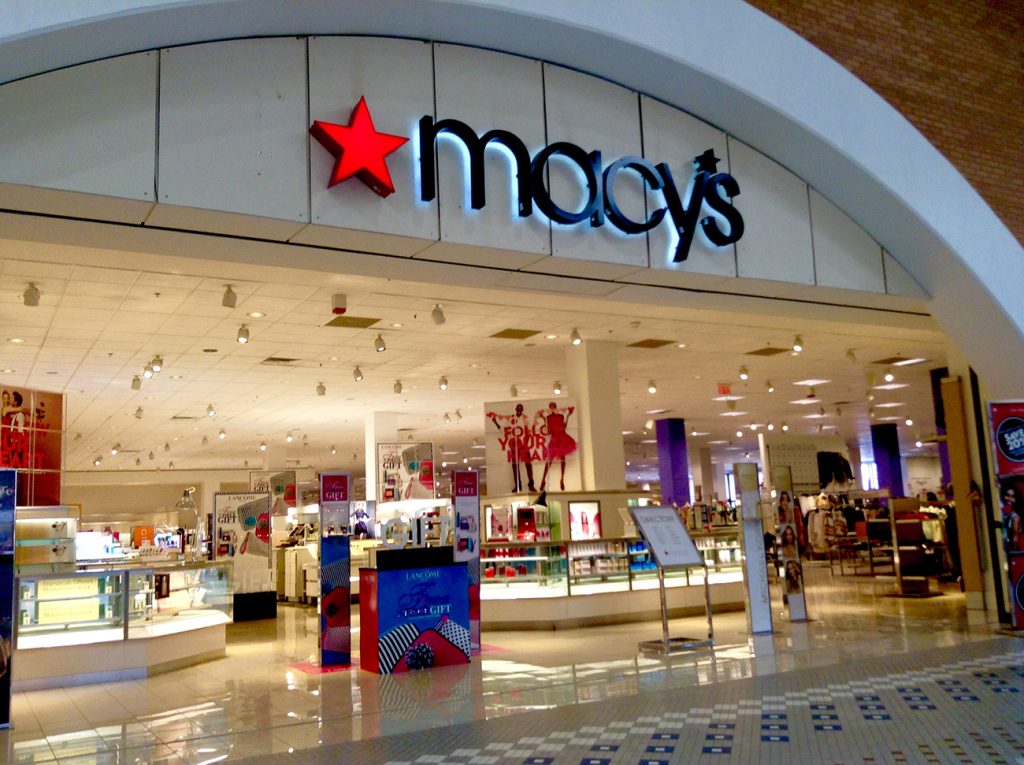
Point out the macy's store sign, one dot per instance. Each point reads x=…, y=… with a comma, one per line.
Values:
x=703, y=202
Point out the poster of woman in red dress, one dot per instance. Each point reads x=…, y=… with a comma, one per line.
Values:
x=560, y=444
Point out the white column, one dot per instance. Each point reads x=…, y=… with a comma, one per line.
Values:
x=703, y=475
x=592, y=370
x=380, y=427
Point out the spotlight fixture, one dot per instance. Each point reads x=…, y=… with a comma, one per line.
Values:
x=148, y=372
x=357, y=374
x=574, y=337
x=871, y=411
x=447, y=417
x=442, y=383
x=919, y=444
x=152, y=456
x=97, y=461
x=171, y=465
x=243, y=335
x=839, y=411
x=230, y=298
x=785, y=428
x=769, y=386
x=289, y=438
x=652, y=387
x=206, y=441
x=115, y=448
x=851, y=356
x=379, y=345
x=557, y=388
x=263, y=446
x=321, y=389
x=136, y=383
x=138, y=413
x=397, y=387
x=649, y=425
x=798, y=344
x=210, y=411
x=739, y=434
x=744, y=374
x=909, y=422
x=871, y=396
x=334, y=449
x=771, y=426
x=888, y=376
x=222, y=435
x=458, y=415
x=753, y=426
x=138, y=461
x=513, y=391
x=31, y=295
x=437, y=315
x=157, y=363
x=305, y=439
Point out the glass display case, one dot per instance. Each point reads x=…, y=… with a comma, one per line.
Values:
x=82, y=607
x=529, y=569
x=44, y=539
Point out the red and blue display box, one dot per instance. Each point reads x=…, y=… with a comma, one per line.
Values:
x=413, y=611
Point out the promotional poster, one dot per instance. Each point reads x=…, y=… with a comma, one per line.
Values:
x=1007, y=420
x=466, y=494
x=584, y=520
x=242, y=534
x=8, y=492
x=423, y=618
x=787, y=540
x=335, y=601
x=335, y=512
x=405, y=471
x=31, y=435
x=531, y=446
x=280, y=484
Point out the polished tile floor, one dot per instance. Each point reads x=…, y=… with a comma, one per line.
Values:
x=871, y=679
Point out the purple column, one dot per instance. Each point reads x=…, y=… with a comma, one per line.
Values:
x=885, y=442
x=673, y=463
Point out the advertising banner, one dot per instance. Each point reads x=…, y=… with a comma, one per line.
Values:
x=242, y=535
x=1007, y=420
x=787, y=516
x=405, y=471
x=531, y=446
x=466, y=493
x=31, y=441
x=8, y=493
x=755, y=568
x=423, y=618
x=281, y=485
x=335, y=601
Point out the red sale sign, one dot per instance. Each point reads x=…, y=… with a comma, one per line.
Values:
x=1008, y=436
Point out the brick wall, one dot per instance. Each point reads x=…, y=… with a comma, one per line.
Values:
x=953, y=68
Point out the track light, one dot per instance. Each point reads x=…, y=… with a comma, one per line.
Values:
x=31, y=295
x=744, y=374
x=157, y=363
x=230, y=298
x=447, y=417
x=138, y=413
x=909, y=422
x=513, y=391
x=574, y=337
x=557, y=388
x=148, y=372
x=379, y=345
x=222, y=435
x=97, y=461
x=289, y=438
x=171, y=465
x=357, y=374
x=753, y=426
x=138, y=461
x=263, y=446
x=739, y=434
x=334, y=449
x=442, y=383
x=769, y=386
x=458, y=415
x=919, y=444
x=888, y=376
x=652, y=387
x=851, y=356
x=397, y=387
x=210, y=411
x=771, y=426
x=321, y=389
x=206, y=441
x=136, y=383
x=305, y=440
x=437, y=315
x=115, y=448
x=798, y=344
x=785, y=428
x=243, y=335
x=152, y=456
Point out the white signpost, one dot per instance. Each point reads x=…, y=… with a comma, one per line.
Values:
x=672, y=548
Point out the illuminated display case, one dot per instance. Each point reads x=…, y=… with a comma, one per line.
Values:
x=83, y=607
x=44, y=539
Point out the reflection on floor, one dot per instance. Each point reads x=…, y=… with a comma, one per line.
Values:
x=257, y=702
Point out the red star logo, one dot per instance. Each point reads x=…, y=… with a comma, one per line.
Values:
x=359, y=150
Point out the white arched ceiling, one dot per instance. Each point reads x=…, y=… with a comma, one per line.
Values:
x=719, y=59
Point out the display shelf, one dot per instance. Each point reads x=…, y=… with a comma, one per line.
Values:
x=539, y=567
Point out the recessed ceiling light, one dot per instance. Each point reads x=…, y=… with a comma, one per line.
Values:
x=255, y=314
x=728, y=398
x=177, y=377
x=680, y=345
x=627, y=432
x=892, y=386
x=550, y=337
x=699, y=433
x=811, y=382
x=804, y=401
x=889, y=404
x=658, y=411
x=397, y=324
x=649, y=441
x=15, y=340
x=890, y=418
x=908, y=362
x=9, y=371
x=732, y=414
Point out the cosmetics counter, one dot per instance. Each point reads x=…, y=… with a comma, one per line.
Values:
x=123, y=616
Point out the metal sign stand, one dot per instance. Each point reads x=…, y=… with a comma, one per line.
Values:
x=669, y=646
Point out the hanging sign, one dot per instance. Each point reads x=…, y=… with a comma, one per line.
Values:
x=466, y=498
x=1007, y=420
